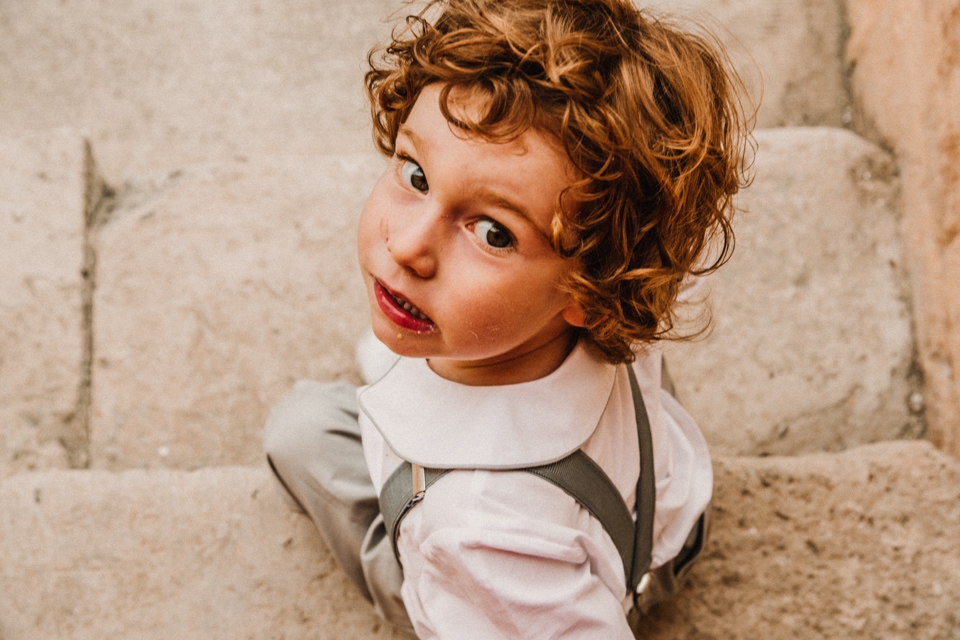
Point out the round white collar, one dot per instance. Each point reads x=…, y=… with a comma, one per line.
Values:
x=436, y=423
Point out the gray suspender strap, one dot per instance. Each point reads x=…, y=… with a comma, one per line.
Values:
x=580, y=477
x=398, y=496
x=646, y=495
x=585, y=482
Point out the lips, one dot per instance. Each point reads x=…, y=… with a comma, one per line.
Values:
x=400, y=311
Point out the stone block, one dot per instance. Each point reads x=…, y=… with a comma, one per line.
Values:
x=905, y=62
x=812, y=346
x=210, y=554
x=860, y=544
x=159, y=85
x=788, y=52
x=217, y=288
x=48, y=186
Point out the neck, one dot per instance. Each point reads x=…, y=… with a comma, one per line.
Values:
x=532, y=363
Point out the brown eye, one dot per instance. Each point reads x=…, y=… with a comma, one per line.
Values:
x=493, y=235
x=413, y=175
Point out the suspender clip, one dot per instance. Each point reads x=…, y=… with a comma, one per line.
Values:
x=642, y=585
x=419, y=483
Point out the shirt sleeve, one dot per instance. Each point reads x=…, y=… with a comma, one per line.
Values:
x=516, y=558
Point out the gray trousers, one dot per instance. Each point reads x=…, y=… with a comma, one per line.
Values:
x=312, y=442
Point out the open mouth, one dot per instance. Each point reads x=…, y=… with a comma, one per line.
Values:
x=401, y=311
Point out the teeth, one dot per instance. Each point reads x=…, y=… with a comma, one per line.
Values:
x=409, y=308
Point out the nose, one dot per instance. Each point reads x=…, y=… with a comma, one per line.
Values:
x=414, y=243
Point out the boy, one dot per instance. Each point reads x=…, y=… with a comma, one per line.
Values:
x=558, y=168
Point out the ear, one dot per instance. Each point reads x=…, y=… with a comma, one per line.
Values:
x=574, y=315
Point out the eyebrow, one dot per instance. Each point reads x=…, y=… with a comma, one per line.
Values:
x=497, y=200
x=488, y=195
x=405, y=131
x=481, y=192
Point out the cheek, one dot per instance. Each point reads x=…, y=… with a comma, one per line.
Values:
x=527, y=298
x=371, y=228
x=371, y=216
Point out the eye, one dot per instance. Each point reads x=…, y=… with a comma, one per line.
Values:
x=412, y=174
x=492, y=234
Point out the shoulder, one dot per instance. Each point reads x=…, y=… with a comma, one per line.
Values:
x=479, y=514
x=510, y=501
x=507, y=554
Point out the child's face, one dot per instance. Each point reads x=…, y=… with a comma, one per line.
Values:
x=454, y=249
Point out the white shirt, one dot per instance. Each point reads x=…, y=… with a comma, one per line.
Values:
x=505, y=554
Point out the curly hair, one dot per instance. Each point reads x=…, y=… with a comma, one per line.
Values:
x=649, y=114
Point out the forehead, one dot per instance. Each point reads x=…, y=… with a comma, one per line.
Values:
x=533, y=148
x=528, y=173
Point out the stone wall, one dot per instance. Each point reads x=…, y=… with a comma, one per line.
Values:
x=905, y=59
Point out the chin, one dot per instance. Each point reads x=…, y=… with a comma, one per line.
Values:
x=401, y=342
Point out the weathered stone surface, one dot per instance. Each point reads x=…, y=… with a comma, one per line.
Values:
x=164, y=554
x=860, y=544
x=812, y=346
x=789, y=53
x=217, y=287
x=47, y=186
x=160, y=85
x=905, y=58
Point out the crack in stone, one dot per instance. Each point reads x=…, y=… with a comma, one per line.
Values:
x=99, y=199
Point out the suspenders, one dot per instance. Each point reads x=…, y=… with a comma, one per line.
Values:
x=580, y=477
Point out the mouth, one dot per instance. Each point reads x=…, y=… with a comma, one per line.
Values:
x=400, y=311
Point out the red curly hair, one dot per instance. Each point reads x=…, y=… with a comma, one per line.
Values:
x=649, y=114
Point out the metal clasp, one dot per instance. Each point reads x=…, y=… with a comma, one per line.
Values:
x=642, y=585
x=419, y=483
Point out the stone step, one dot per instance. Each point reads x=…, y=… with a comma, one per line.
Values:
x=230, y=281
x=48, y=187
x=217, y=287
x=860, y=544
x=788, y=52
x=167, y=554
x=812, y=347
x=161, y=85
